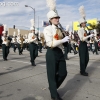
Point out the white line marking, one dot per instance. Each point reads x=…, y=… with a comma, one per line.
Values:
x=20, y=61
x=24, y=62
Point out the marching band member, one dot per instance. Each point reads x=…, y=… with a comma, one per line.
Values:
x=20, y=41
x=66, y=46
x=96, y=40
x=32, y=40
x=5, y=44
x=83, y=49
x=91, y=43
x=14, y=42
x=37, y=42
x=26, y=41
x=55, y=61
x=73, y=43
x=41, y=42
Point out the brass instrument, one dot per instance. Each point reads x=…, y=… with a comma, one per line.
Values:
x=42, y=39
x=22, y=39
x=5, y=39
x=62, y=30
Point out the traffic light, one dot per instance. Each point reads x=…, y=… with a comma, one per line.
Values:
x=14, y=26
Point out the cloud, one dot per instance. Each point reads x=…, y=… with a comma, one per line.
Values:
x=20, y=15
x=68, y=10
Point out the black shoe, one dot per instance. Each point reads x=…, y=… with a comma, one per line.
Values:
x=75, y=53
x=33, y=64
x=21, y=53
x=40, y=51
x=66, y=59
x=58, y=97
x=84, y=74
x=5, y=59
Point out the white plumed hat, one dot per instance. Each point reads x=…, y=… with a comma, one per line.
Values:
x=82, y=13
x=82, y=21
x=67, y=28
x=95, y=32
x=32, y=28
x=5, y=29
x=53, y=12
x=18, y=31
x=32, y=24
x=14, y=34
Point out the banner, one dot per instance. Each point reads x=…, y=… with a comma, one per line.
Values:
x=1, y=29
x=90, y=24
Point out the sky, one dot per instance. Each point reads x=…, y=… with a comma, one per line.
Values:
x=14, y=12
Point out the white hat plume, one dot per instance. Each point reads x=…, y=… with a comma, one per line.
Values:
x=82, y=12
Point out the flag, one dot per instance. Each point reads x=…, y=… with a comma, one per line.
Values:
x=45, y=23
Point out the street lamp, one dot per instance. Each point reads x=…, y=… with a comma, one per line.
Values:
x=38, y=24
x=34, y=14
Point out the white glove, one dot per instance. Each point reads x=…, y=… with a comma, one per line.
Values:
x=92, y=35
x=65, y=39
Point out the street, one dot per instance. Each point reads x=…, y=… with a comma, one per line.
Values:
x=21, y=81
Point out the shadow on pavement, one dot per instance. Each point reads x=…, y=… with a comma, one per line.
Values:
x=16, y=70
x=9, y=95
x=1, y=92
x=74, y=85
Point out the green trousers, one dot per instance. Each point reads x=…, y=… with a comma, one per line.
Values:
x=33, y=51
x=40, y=47
x=20, y=49
x=5, y=50
x=84, y=56
x=69, y=47
x=91, y=46
x=96, y=47
x=36, y=51
x=56, y=69
x=14, y=46
x=66, y=50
